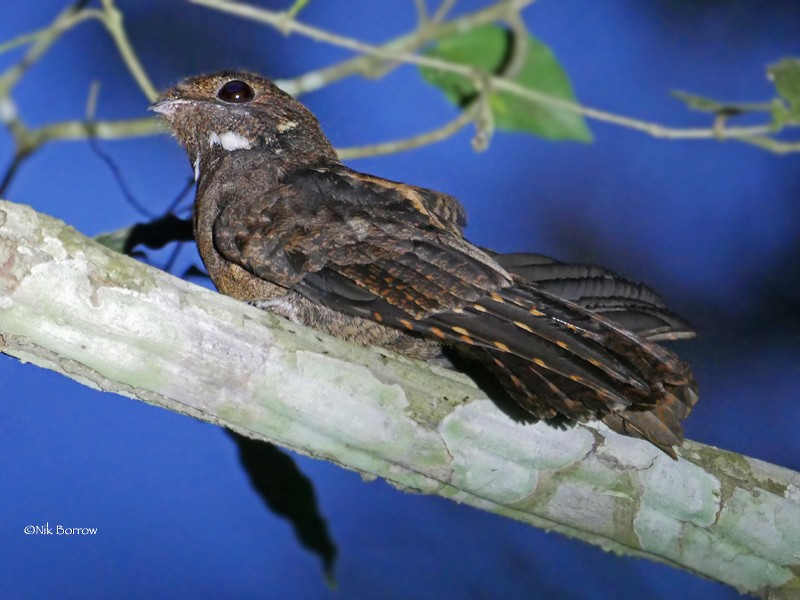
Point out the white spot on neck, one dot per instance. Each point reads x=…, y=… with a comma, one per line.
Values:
x=197, y=168
x=230, y=141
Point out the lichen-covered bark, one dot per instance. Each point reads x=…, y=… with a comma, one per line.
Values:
x=71, y=305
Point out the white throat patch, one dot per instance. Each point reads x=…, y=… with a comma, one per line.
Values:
x=230, y=141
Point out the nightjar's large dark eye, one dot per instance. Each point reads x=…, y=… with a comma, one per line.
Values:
x=236, y=92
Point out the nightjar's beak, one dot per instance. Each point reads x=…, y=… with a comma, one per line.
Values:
x=167, y=106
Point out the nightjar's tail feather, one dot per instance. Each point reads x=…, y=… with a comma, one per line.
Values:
x=633, y=306
x=660, y=425
x=534, y=341
x=555, y=357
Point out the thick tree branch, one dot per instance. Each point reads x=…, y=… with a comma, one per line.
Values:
x=74, y=306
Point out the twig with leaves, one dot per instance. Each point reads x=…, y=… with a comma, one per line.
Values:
x=434, y=34
x=284, y=22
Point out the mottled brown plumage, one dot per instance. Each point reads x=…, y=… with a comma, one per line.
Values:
x=281, y=223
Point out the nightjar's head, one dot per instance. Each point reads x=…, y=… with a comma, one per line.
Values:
x=230, y=111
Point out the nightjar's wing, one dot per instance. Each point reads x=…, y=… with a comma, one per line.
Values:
x=633, y=306
x=392, y=253
x=446, y=208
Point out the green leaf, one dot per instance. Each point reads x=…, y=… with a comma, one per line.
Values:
x=703, y=104
x=488, y=48
x=786, y=77
x=776, y=108
x=780, y=114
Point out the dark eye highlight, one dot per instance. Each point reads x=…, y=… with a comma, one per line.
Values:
x=236, y=92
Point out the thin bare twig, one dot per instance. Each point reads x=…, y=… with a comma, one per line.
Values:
x=416, y=141
x=8, y=109
x=79, y=130
x=423, y=34
x=44, y=39
x=112, y=19
x=776, y=146
x=421, y=7
x=519, y=47
x=447, y=5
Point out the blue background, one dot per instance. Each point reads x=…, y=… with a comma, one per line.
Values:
x=713, y=226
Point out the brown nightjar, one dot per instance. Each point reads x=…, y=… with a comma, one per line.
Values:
x=281, y=223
